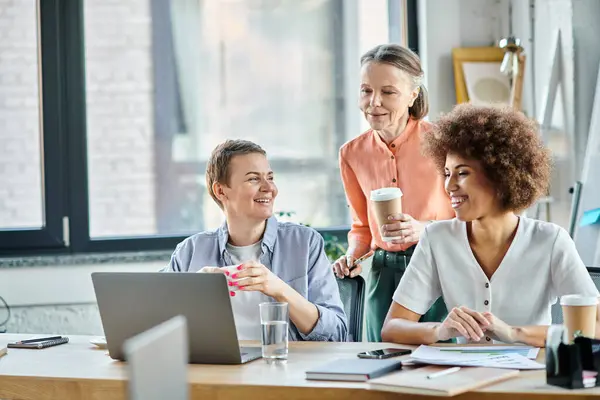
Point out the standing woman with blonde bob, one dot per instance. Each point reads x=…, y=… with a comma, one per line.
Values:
x=394, y=103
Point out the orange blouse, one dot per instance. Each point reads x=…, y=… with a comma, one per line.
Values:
x=368, y=163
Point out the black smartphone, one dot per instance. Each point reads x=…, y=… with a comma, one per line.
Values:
x=383, y=353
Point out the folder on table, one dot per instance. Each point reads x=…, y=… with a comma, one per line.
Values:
x=417, y=381
x=356, y=369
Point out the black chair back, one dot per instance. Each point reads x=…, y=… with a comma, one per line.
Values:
x=352, y=293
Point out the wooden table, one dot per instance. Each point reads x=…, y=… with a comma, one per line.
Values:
x=79, y=371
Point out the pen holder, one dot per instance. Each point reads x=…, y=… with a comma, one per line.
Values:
x=566, y=362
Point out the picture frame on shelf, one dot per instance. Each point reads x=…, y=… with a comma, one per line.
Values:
x=478, y=78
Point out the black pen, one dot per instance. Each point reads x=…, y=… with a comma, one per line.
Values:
x=39, y=340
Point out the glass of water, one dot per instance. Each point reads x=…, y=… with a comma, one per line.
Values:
x=274, y=324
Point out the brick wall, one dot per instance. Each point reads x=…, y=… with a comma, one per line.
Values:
x=120, y=116
x=20, y=172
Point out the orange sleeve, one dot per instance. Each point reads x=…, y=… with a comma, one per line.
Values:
x=359, y=231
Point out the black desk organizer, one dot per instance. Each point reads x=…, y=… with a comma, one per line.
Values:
x=573, y=359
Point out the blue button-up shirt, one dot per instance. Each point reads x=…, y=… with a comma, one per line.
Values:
x=294, y=253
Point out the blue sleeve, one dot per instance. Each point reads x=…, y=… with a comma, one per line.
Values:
x=180, y=259
x=324, y=293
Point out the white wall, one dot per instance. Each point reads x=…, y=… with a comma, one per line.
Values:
x=446, y=24
x=550, y=16
x=58, y=299
x=586, y=31
x=578, y=23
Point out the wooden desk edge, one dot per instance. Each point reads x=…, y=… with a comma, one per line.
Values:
x=37, y=388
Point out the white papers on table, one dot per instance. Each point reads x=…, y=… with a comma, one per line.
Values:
x=510, y=361
x=438, y=356
x=476, y=351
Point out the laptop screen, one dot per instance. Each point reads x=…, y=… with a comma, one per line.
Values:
x=157, y=362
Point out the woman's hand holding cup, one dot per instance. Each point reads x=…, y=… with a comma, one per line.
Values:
x=213, y=270
x=220, y=270
x=402, y=228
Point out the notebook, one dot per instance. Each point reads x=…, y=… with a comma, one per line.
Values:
x=353, y=369
x=42, y=344
x=417, y=381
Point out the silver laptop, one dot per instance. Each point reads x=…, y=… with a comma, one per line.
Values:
x=157, y=362
x=133, y=302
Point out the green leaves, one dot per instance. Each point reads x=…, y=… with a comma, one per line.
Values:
x=333, y=247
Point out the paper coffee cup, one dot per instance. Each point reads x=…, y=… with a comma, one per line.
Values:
x=386, y=201
x=579, y=315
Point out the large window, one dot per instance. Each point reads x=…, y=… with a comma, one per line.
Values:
x=32, y=200
x=167, y=81
x=109, y=110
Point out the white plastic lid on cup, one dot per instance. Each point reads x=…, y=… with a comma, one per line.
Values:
x=578, y=300
x=386, y=194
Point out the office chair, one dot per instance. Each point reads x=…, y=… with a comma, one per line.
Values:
x=557, y=317
x=352, y=293
x=157, y=361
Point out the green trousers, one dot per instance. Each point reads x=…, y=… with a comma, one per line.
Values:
x=386, y=271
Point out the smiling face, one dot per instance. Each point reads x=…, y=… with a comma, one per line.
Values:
x=471, y=192
x=386, y=93
x=251, y=191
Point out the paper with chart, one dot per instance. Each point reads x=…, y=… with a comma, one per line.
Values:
x=525, y=351
x=492, y=357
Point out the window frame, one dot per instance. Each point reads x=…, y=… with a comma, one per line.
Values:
x=65, y=178
x=50, y=237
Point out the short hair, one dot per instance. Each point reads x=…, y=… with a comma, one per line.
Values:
x=217, y=168
x=407, y=61
x=506, y=143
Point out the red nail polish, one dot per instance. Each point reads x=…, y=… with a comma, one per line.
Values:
x=234, y=276
x=242, y=287
x=230, y=283
x=227, y=273
x=240, y=267
x=232, y=294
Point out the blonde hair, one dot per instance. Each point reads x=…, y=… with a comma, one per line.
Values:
x=217, y=168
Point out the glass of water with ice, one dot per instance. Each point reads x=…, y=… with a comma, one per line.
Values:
x=274, y=323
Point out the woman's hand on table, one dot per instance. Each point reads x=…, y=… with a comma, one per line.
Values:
x=462, y=321
x=499, y=330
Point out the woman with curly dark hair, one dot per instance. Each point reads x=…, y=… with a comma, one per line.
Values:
x=498, y=272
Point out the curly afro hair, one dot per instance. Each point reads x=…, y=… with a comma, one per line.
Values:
x=504, y=141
